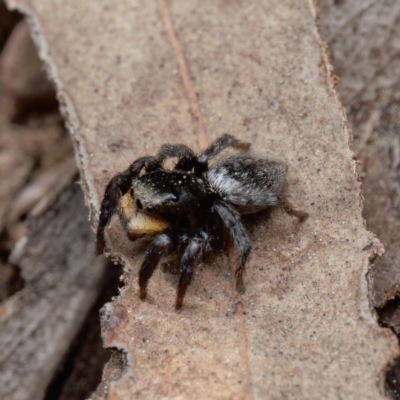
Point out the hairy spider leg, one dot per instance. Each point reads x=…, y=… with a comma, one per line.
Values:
x=161, y=246
x=185, y=155
x=117, y=187
x=190, y=257
x=216, y=232
x=215, y=148
x=231, y=219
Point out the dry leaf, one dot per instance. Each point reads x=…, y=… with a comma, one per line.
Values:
x=134, y=75
x=364, y=38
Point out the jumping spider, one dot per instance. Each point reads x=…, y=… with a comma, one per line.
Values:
x=188, y=207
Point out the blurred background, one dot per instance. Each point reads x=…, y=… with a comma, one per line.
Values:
x=51, y=284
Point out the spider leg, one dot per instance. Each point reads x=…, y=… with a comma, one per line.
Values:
x=215, y=148
x=191, y=255
x=288, y=208
x=186, y=157
x=216, y=233
x=231, y=219
x=117, y=187
x=161, y=246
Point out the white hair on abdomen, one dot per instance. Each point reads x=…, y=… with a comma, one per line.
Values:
x=250, y=183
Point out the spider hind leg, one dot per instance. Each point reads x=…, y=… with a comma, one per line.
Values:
x=231, y=219
x=185, y=155
x=289, y=209
x=215, y=148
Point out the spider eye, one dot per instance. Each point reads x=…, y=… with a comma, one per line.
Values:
x=174, y=198
x=139, y=204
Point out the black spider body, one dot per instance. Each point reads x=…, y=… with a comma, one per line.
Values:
x=188, y=208
x=173, y=194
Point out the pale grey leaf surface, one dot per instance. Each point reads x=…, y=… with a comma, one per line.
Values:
x=257, y=70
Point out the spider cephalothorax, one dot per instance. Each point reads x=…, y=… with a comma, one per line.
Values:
x=188, y=207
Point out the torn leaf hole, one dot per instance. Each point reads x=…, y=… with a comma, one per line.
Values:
x=389, y=317
x=80, y=372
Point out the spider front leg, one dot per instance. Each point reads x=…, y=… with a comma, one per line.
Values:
x=215, y=148
x=161, y=246
x=190, y=257
x=231, y=219
x=116, y=188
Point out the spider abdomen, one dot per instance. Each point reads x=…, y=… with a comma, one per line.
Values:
x=249, y=183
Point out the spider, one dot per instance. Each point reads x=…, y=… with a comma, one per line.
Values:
x=189, y=207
